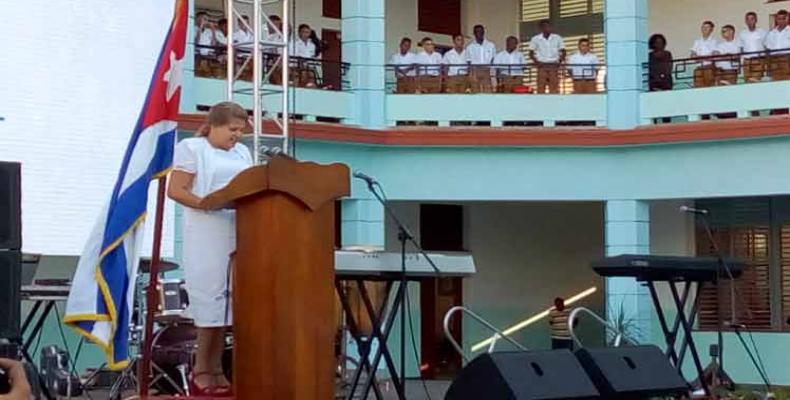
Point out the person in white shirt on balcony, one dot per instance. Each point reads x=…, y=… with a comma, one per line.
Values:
x=753, y=42
x=480, y=54
x=705, y=74
x=456, y=67
x=221, y=34
x=270, y=52
x=204, y=34
x=583, y=68
x=302, y=51
x=727, y=67
x=429, y=68
x=243, y=33
x=403, y=63
x=547, y=51
x=509, y=66
x=778, y=44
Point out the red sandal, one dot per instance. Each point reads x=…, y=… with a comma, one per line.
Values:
x=207, y=391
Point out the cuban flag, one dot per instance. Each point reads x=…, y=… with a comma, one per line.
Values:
x=100, y=302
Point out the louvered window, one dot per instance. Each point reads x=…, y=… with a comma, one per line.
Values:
x=756, y=230
x=573, y=8
x=534, y=10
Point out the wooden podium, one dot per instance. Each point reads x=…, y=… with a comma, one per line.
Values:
x=283, y=278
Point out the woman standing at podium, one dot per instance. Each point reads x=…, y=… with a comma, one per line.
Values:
x=201, y=165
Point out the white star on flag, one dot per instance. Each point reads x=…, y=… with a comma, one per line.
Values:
x=173, y=75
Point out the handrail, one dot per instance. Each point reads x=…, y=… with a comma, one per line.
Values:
x=497, y=332
x=619, y=336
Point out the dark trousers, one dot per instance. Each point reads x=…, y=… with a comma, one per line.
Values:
x=557, y=344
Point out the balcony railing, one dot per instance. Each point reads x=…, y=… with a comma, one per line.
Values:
x=718, y=70
x=211, y=62
x=495, y=78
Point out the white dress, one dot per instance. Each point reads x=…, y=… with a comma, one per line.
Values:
x=209, y=236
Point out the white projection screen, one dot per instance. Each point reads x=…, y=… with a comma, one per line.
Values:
x=72, y=85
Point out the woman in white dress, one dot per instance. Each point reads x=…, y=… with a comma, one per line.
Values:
x=201, y=165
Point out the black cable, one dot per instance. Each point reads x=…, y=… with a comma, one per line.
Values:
x=227, y=291
x=414, y=347
x=760, y=360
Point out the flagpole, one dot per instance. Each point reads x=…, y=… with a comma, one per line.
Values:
x=151, y=303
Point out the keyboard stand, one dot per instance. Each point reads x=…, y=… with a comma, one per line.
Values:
x=682, y=320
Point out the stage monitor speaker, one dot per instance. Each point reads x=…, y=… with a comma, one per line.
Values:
x=10, y=206
x=532, y=375
x=632, y=372
x=10, y=278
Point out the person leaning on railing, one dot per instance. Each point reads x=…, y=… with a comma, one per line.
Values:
x=778, y=44
x=303, y=49
x=703, y=48
x=455, y=67
x=480, y=53
x=583, y=69
x=727, y=67
x=547, y=51
x=429, y=68
x=509, y=66
x=753, y=45
x=404, y=64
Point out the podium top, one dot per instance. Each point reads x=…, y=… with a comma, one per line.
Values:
x=312, y=184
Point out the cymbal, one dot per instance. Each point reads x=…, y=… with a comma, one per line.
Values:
x=164, y=266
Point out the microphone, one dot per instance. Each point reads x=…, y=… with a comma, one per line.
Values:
x=370, y=180
x=734, y=325
x=693, y=210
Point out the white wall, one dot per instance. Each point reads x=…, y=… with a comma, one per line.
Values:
x=70, y=100
x=526, y=255
x=680, y=20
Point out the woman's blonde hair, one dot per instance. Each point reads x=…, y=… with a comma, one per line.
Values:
x=222, y=114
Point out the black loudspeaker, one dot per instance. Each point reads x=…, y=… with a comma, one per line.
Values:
x=632, y=372
x=544, y=375
x=10, y=278
x=10, y=206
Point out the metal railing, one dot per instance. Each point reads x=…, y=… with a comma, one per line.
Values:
x=211, y=62
x=618, y=335
x=717, y=70
x=497, y=333
x=496, y=78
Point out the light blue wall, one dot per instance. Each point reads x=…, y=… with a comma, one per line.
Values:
x=625, y=25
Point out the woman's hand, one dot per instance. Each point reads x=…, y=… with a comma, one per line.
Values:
x=15, y=372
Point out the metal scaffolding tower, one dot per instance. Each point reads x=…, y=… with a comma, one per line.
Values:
x=268, y=54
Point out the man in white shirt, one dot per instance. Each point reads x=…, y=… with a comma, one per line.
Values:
x=243, y=33
x=429, y=68
x=705, y=75
x=204, y=34
x=547, y=51
x=778, y=44
x=727, y=67
x=403, y=63
x=456, y=66
x=480, y=54
x=509, y=66
x=271, y=52
x=753, y=41
x=583, y=69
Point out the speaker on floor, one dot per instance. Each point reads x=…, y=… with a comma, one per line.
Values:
x=532, y=375
x=10, y=205
x=632, y=372
x=10, y=266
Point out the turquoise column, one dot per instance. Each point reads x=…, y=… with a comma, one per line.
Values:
x=362, y=223
x=628, y=232
x=625, y=25
x=363, y=48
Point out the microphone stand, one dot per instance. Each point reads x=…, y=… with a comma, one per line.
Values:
x=736, y=327
x=404, y=236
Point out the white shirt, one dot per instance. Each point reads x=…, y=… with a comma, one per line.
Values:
x=704, y=47
x=547, y=50
x=404, y=59
x=220, y=38
x=515, y=58
x=429, y=64
x=453, y=57
x=583, y=66
x=242, y=36
x=273, y=37
x=304, y=49
x=777, y=39
x=205, y=38
x=213, y=168
x=725, y=47
x=479, y=54
x=752, y=41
